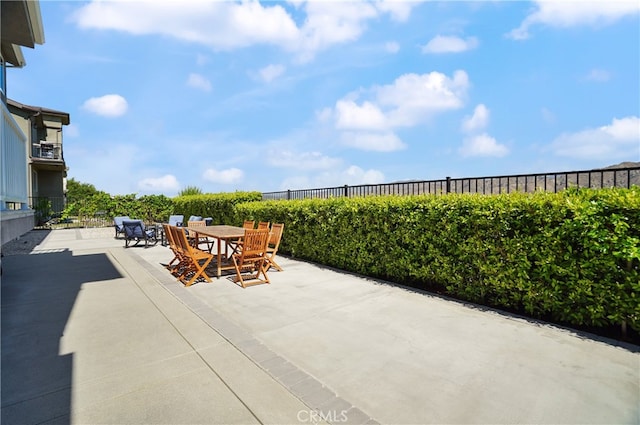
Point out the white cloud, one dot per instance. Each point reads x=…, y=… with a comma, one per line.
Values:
x=618, y=140
x=271, y=72
x=110, y=105
x=220, y=25
x=331, y=23
x=450, y=44
x=164, y=184
x=228, y=176
x=598, y=75
x=478, y=121
x=356, y=175
x=324, y=115
x=199, y=82
x=565, y=14
x=399, y=10
x=482, y=145
x=350, y=115
x=380, y=142
x=410, y=100
x=301, y=160
x=233, y=25
x=413, y=98
x=352, y=175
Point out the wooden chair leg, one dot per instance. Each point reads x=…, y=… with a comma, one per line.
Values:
x=257, y=267
x=200, y=271
x=272, y=263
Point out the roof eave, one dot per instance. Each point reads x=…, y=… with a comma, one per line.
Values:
x=21, y=26
x=12, y=54
x=35, y=17
x=39, y=111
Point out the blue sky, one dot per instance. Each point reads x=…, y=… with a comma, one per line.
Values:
x=270, y=96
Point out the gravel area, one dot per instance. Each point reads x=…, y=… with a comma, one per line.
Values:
x=25, y=243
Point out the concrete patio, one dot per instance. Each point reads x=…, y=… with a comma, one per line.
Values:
x=93, y=333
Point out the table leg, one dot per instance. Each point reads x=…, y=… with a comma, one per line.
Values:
x=219, y=243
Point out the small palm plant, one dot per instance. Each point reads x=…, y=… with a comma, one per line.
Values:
x=190, y=190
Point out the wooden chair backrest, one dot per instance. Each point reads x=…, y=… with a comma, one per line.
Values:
x=176, y=232
x=180, y=239
x=276, y=234
x=248, y=224
x=177, y=252
x=173, y=237
x=264, y=225
x=168, y=234
x=254, y=243
x=199, y=223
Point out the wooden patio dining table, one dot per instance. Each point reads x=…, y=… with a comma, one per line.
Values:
x=220, y=233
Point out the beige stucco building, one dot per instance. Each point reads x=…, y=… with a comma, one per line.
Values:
x=47, y=170
x=31, y=157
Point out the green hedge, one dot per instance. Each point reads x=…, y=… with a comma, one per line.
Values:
x=220, y=207
x=150, y=208
x=572, y=257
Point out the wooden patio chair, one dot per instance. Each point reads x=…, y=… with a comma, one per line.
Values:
x=196, y=240
x=252, y=258
x=183, y=255
x=195, y=259
x=264, y=225
x=274, y=243
x=178, y=255
x=172, y=246
x=236, y=244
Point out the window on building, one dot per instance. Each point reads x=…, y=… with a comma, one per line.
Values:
x=34, y=183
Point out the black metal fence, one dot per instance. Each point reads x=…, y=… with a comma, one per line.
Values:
x=527, y=183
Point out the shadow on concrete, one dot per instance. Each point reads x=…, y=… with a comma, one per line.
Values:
x=38, y=294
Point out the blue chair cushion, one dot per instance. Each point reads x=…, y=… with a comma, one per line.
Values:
x=176, y=220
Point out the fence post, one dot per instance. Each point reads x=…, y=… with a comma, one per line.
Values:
x=288, y=194
x=448, y=184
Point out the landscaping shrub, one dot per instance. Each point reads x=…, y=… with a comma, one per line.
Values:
x=150, y=208
x=220, y=207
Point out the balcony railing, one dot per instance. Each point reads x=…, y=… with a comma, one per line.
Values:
x=47, y=150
